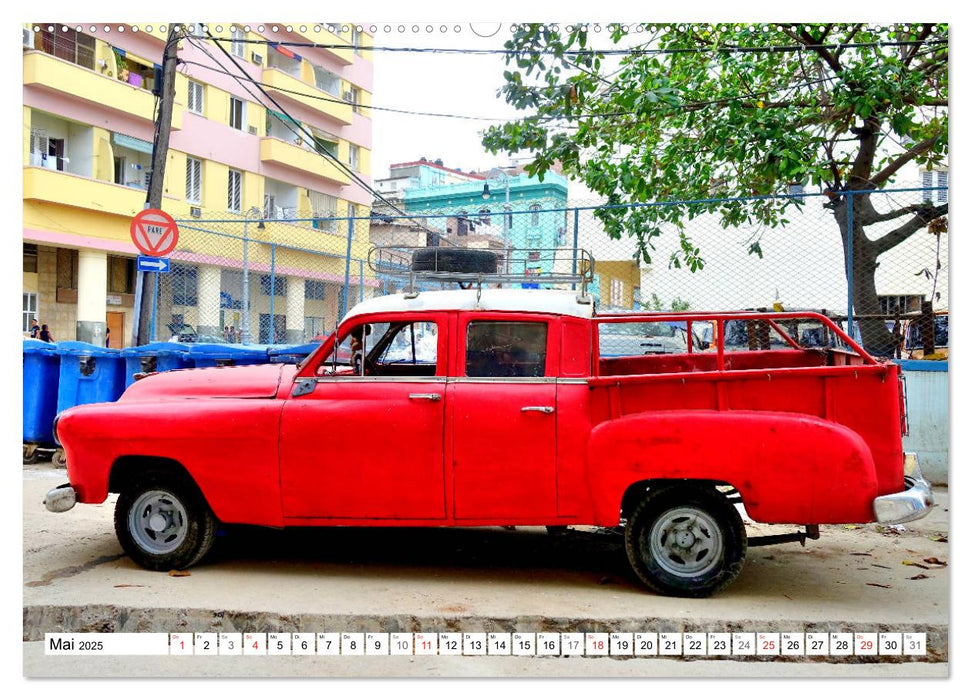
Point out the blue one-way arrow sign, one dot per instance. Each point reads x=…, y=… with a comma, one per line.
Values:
x=147, y=264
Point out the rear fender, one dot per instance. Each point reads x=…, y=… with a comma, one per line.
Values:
x=788, y=468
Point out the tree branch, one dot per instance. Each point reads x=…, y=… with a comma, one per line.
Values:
x=925, y=32
x=849, y=39
x=896, y=213
x=917, y=149
x=902, y=233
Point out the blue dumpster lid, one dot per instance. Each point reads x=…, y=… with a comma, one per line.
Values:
x=74, y=347
x=39, y=347
x=304, y=349
x=216, y=350
x=162, y=348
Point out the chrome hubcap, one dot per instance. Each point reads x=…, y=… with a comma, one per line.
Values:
x=157, y=522
x=686, y=541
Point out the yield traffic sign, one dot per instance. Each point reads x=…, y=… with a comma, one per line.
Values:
x=146, y=264
x=154, y=232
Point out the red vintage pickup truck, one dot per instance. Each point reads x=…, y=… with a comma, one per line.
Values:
x=498, y=407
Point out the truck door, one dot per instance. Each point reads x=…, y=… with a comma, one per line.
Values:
x=370, y=445
x=502, y=404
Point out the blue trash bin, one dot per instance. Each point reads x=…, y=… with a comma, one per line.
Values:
x=154, y=357
x=215, y=355
x=89, y=374
x=41, y=372
x=292, y=354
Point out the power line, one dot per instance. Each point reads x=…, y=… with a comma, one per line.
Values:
x=781, y=48
x=345, y=102
x=354, y=176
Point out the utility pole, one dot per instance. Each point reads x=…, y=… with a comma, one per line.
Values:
x=141, y=333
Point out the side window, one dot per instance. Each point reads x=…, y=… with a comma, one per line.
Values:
x=505, y=349
x=386, y=349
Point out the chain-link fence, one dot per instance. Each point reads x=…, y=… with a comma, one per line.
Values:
x=253, y=280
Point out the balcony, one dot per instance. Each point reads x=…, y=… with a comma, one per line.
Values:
x=287, y=154
x=277, y=82
x=345, y=56
x=59, y=76
x=58, y=187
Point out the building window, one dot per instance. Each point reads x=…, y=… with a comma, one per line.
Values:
x=353, y=157
x=121, y=275
x=356, y=99
x=235, y=201
x=616, y=292
x=46, y=152
x=30, y=257
x=327, y=81
x=68, y=45
x=238, y=45
x=934, y=178
x=185, y=285
x=324, y=208
x=237, y=113
x=313, y=326
x=30, y=311
x=356, y=40
x=196, y=99
x=900, y=304
x=314, y=289
x=508, y=211
x=193, y=181
x=275, y=282
x=67, y=268
x=534, y=219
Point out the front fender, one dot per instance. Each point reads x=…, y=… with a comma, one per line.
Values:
x=788, y=467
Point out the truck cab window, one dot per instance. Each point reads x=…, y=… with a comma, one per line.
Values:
x=505, y=349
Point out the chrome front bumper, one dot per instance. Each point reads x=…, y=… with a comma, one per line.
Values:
x=912, y=504
x=61, y=499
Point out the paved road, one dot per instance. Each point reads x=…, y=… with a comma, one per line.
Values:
x=343, y=579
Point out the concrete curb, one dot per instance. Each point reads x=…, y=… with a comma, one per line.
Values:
x=41, y=619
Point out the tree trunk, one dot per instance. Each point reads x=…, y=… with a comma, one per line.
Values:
x=877, y=338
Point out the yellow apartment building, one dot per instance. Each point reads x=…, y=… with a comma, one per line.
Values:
x=247, y=178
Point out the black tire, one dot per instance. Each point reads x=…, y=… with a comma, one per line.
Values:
x=183, y=530
x=685, y=541
x=59, y=458
x=454, y=260
x=31, y=454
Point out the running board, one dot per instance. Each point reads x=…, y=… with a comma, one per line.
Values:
x=811, y=532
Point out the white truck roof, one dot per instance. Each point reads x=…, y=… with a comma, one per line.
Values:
x=551, y=301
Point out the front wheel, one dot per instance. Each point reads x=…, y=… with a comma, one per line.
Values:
x=163, y=522
x=685, y=541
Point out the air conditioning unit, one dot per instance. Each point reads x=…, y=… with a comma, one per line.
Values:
x=195, y=211
x=28, y=38
x=253, y=130
x=348, y=96
x=257, y=58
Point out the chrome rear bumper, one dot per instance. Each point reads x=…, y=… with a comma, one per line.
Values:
x=912, y=504
x=61, y=499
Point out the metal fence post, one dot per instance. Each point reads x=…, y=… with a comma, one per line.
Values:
x=360, y=284
x=347, y=270
x=151, y=330
x=272, y=334
x=576, y=241
x=849, y=263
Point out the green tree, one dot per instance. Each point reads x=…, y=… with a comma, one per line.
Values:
x=697, y=111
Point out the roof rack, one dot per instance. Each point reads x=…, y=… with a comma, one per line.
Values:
x=478, y=266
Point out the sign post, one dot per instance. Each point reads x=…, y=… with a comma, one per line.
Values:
x=155, y=234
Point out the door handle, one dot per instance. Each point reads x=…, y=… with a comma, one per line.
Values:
x=425, y=397
x=538, y=409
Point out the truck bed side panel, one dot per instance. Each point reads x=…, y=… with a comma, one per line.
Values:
x=789, y=468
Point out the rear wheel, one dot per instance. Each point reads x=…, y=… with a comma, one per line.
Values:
x=163, y=522
x=59, y=458
x=685, y=541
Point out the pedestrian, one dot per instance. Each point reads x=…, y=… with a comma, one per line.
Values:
x=231, y=334
x=226, y=333
x=35, y=329
x=107, y=337
x=237, y=336
x=45, y=334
